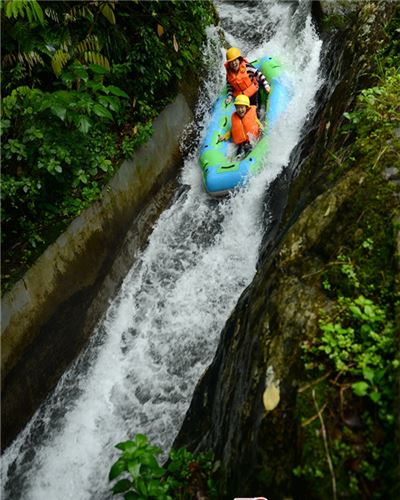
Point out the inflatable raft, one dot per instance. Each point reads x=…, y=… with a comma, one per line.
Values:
x=222, y=170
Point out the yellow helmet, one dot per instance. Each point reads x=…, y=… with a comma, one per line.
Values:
x=242, y=100
x=232, y=54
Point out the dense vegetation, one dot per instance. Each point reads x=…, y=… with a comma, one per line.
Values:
x=349, y=403
x=184, y=476
x=82, y=82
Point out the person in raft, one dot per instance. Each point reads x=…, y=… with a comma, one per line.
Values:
x=242, y=78
x=246, y=127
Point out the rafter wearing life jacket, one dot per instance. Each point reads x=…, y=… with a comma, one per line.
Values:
x=246, y=128
x=245, y=80
x=245, y=124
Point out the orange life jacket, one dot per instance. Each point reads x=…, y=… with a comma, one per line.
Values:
x=241, y=82
x=242, y=127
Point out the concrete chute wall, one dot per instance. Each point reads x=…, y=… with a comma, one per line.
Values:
x=49, y=314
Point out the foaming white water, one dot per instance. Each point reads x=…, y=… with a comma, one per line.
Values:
x=161, y=331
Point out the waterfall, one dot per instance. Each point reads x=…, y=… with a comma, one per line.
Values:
x=161, y=330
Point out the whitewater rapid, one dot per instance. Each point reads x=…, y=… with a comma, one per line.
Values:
x=162, y=329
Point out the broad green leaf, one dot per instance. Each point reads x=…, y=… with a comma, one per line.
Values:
x=131, y=496
x=356, y=311
x=65, y=95
x=4, y=125
x=150, y=461
x=158, y=471
x=360, y=388
x=121, y=486
x=368, y=373
x=126, y=446
x=141, y=486
x=375, y=396
x=107, y=12
x=95, y=85
x=155, y=489
x=118, y=467
x=84, y=124
x=116, y=91
x=81, y=72
x=140, y=439
x=59, y=111
x=134, y=469
x=110, y=101
x=105, y=165
x=102, y=111
x=99, y=70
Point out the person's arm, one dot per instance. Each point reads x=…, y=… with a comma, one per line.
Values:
x=229, y=92
x=224, y=137
x=259, y=76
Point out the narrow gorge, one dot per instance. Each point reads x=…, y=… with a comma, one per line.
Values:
x=201, y=327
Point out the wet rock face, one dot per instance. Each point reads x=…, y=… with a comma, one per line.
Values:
x=244, y=408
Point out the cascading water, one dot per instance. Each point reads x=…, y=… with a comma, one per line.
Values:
x=162, y=330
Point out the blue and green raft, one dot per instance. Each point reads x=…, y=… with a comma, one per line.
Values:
x=221, y=172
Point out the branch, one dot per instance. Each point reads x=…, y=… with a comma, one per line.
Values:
x=324, y=436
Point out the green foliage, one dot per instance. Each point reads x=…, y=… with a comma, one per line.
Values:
x=357, y=355
x=376, y=118
x=188, y=475
x=56, y=153
x=82, y=82
x=361, y=345
x=86, y=51
x=164, y=42
x=353, y=365
x=137, y=136
x=21, y=8
x=139, y=461
x=184, y=476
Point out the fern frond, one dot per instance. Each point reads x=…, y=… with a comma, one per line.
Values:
x=59, y=60
x=106, y=8
x=20, y=8
x=52, y=14
x=78, y=11
x=37, y=11
x=8, y=60
x=30, y=59
x=14, y=9
x=91, y=43
x=91, y=57
x=66, y=45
